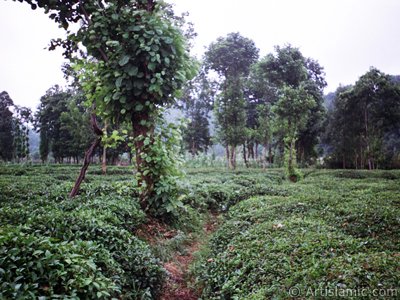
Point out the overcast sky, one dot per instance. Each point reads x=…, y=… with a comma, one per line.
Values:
x=345, y=36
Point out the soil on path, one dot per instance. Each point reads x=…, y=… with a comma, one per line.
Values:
x=177, y=282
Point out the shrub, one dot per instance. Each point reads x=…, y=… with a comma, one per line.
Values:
x=323, y=233
x=35, y=266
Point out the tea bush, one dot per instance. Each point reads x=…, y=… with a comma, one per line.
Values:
x=86, y=244
x=326, y=232
x=36, y=266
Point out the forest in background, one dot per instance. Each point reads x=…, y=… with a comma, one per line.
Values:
x=239, y=106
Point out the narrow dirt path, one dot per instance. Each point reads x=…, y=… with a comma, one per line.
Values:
x=177, y=285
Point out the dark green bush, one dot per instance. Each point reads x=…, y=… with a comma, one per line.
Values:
x=35, y=266
x=141, y=270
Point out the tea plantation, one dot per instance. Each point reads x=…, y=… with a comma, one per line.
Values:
x=333, y=231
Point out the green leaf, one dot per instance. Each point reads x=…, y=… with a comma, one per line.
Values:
x=135, y=28
x=124, y=60
x=133, y=70
x=123, y=111
x=151, y=66
x=139, y=107
x=118, y=82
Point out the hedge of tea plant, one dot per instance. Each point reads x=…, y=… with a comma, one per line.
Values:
x=82, y=248
x=335, y=231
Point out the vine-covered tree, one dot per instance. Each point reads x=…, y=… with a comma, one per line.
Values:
x=135, y=60
x=231, y=57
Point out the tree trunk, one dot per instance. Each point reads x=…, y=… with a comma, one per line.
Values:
x=290, y=162
x=250, y=148
x=233, y=157
x=145, y=182
x=227, y=156
x=104, y=161
x=356, y=160
x=193, y=148
x=270, y=154
x=264, y=156
x=104, y=156
x=369, y=159
x=245, y=156
x=256, y=151
x=88, y=156
x=86, y=163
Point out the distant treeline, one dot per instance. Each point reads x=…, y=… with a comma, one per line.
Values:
x=269, y=111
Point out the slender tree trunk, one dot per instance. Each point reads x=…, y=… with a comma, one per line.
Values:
x=104, y=157
x=264, y=156
x=245, y=156
x=256, y=151
x=104, y=161
x=369, y=159
x=193, y=148
x=356, y=160
x=227, y=156
x=250, y=148
x=86, y=163
x=270, y=154
x=88, y=156
x=233, y=157
x=290, y=162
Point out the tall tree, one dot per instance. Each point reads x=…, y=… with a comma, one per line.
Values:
x=6, y=127
x=14, y=129
x=139, y=60
x=54, y=137
x=197, y=102
x=364, y=120
x=292, y=111
x=282, y=73
x=231, y=57
x=21, y=127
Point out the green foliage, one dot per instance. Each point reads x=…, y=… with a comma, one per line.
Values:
x=217, y=190
x=231, y=57
x=63, y=123
x=141, y=56
x=284, y=85
x=95, y=230
x=14, y=129
x=36, y=266
x=292, y=112
x=324, y=233
x=136, y=59
x=6, y=127
x=196, y=104
x=163, y=166
x=363, y=123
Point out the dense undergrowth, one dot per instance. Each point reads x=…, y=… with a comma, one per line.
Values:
x=336, y=233
x=333, y=229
